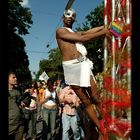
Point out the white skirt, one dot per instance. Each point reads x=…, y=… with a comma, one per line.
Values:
x=77, y=73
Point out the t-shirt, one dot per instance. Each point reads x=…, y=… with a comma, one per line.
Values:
x=52, y=97
x=16, y=116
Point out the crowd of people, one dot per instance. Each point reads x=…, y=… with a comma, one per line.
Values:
x=61, y=111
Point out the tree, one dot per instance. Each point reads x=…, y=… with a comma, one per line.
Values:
x=53, y=65
x=19, y=21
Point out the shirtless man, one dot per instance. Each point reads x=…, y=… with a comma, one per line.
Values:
x=77, y=67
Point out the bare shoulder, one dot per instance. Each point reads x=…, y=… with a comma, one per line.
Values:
x=61, y=32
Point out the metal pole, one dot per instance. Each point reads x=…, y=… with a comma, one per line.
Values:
x=128, y=22
x=105, y=40
x=119, y=39
x=129, y=41
x=113, y=59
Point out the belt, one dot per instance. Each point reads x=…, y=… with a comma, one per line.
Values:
x=82, y=58
x=75, y=61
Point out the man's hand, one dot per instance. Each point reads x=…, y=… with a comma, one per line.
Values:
x=108, y=34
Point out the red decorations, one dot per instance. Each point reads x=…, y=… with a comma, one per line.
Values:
x=104, y=130
x=121, y=101
x=116, y=98
x=107, y=83
x=123, y=3
x=126, y=63
x=115, y=126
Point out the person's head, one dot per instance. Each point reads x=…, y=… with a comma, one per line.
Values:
x=12, y=80
x=63, y=84
x=69, y=16
x=50, y=84
x=70, y=13
x=39, y=84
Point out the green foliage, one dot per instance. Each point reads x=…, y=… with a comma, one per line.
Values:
x=96, y=17
x=19, y=20
x=52, y=66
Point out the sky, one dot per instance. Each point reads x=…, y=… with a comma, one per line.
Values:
x=46, y=16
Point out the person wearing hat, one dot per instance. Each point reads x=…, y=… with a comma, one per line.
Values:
x=77, y=67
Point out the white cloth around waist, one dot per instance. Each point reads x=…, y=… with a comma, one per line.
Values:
x=77, y=72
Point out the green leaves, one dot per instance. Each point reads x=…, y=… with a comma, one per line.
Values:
x=19, y=21
x=19, y=18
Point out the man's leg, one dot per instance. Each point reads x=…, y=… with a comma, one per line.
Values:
x=94, y=92
x=94, y=95
x=19, y=133
x=75, y=127
x=45, y=116
x=53, y=114
x=65, y=126
x=82, y=94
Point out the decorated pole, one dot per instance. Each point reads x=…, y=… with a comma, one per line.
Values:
x=128, y=22
x=113, y=58
x=117, y=70
x=105, y=40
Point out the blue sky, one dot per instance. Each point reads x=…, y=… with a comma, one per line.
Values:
x=46, y=18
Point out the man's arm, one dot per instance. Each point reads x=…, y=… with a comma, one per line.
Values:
x=65, y=98
x=93, y=30
x=64, y=34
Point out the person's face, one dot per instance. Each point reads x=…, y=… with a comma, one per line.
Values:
x=38, y=84
x=69, y=17
x=12, y=79
x=68, y=21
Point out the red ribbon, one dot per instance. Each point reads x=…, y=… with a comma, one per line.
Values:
x=116, y=126
x=123, y=2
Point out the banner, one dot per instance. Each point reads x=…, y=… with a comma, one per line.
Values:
x=44, y=76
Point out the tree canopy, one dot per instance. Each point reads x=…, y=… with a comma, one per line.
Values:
x=19, y=21
x=52, y=66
